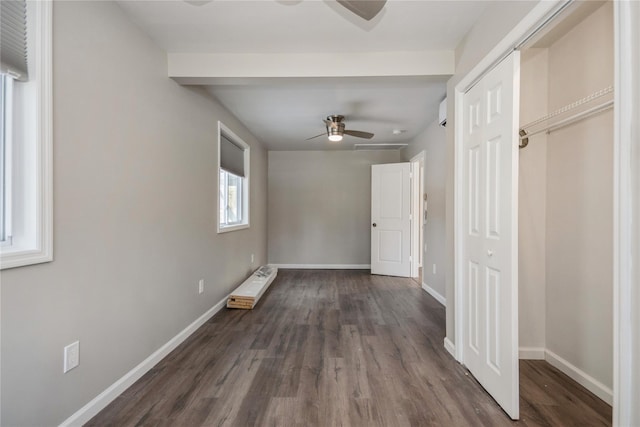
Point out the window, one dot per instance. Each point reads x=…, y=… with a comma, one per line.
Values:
x=25, y=133
x=231, y=200
x=233, y=181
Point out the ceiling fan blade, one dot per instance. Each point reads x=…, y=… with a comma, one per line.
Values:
x=365, y=9
x=359, y=134
x=317, y=136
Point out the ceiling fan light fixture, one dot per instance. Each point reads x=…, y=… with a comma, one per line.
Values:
x=335, y=131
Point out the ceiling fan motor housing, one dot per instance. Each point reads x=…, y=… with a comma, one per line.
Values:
x=335, y=126
x=335, y=129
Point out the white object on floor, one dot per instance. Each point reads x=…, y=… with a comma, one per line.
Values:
x=246, y=295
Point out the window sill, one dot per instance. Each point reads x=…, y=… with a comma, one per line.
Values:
x=228, y=228
x=21, y=258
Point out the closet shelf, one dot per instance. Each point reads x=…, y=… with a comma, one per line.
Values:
x=595, y=109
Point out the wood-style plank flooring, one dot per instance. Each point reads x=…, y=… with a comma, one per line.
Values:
x=336, y=348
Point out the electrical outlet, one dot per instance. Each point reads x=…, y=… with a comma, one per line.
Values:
x=252, y=258
x=71, y=356
x=434, y=269
x=201, y=286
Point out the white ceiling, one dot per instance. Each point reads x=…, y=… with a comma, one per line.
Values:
x=283, y=112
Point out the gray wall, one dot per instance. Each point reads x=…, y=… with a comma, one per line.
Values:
x=319, y=206
x=532, y=209
x=135, y=219
x=579, y=258
x=433, y=142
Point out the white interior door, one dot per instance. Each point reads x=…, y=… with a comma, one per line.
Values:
x=390, y=219
x=490, y=238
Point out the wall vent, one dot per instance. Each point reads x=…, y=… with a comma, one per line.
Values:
x=373, y=147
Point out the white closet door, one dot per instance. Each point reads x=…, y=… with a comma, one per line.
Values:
x=490, y=239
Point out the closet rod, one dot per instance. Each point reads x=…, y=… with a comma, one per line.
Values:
x=576, y=117
x=572, y=106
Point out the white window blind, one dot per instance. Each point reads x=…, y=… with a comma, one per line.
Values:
x=231, y=156
x=13, y=39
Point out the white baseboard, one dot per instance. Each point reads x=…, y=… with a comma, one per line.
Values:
x=442, y=300
x=581, y=377
x=324, y=266
x=531, y=353
x=92, y=408
x=450, y=347
x=576, y=374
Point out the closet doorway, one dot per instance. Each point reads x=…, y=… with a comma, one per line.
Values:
x=566, y=199
x=565, y=196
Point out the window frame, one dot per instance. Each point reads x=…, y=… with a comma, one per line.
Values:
x=6, y=121
x=32, y=164
x=246, y=212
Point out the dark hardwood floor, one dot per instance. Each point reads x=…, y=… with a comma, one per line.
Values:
x=336, y=348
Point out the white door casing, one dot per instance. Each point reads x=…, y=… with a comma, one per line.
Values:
x=490, y=238
x=390, y=219
x=417, y=204
x=626, y=207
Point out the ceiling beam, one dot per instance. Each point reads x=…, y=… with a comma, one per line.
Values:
x=208, y=69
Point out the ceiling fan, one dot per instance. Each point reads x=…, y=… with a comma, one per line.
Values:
x=365, y=9
x=336, y=130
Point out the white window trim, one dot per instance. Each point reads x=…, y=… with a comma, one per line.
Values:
x=40, y=246
x=222, y=129
x=8, y=171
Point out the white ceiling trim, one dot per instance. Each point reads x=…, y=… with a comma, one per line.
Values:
x=282, y=66
x=208, y=68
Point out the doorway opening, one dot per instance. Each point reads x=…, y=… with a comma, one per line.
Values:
x=418, y=217
x=565, y=214
x=576, y=71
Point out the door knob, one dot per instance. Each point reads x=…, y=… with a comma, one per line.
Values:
x=375, y=225
x=489, y=253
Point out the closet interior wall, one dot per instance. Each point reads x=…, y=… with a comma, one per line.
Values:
x=566, y=205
